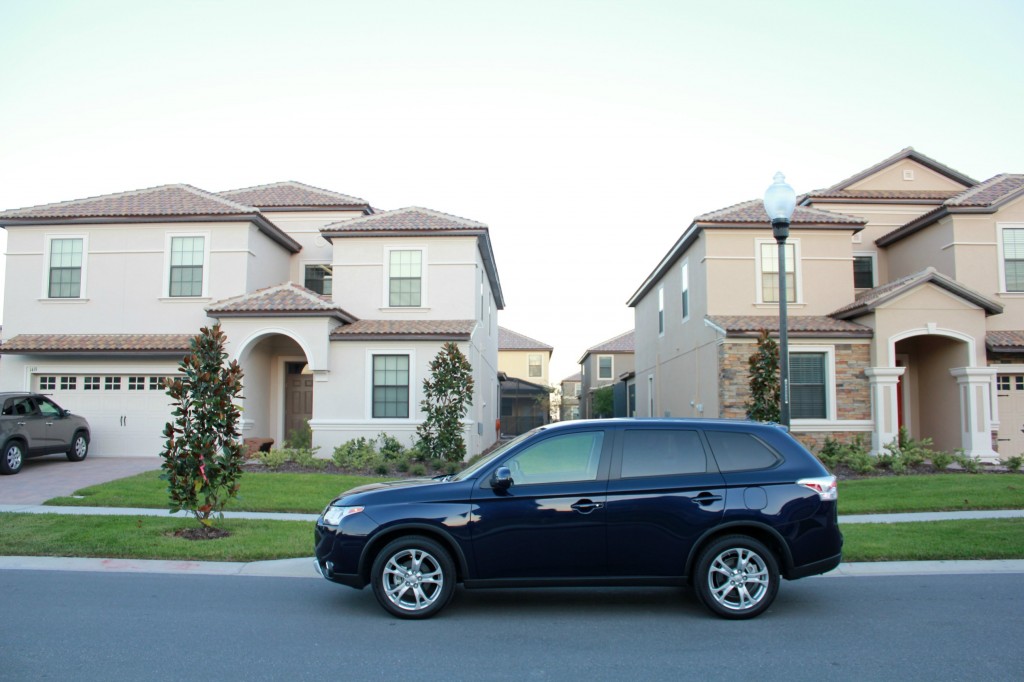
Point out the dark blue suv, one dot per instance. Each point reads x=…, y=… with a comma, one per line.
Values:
x=728, y=507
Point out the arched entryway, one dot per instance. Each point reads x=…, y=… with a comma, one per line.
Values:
x=278, y=386
x=928, y=392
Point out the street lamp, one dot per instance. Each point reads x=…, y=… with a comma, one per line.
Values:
x=779, y=203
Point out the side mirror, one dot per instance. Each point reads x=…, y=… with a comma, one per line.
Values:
x=65, y=413
x=502, y=478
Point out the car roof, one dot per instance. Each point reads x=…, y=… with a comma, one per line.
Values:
x=675, y=422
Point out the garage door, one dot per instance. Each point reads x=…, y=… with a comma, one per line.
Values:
x=126, y=413
x=1010, y=389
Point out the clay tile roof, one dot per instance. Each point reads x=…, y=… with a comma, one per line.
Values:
x=292, y=195
x=283, y=299
x=798, y=325
x=923, y=195
x=443, y=330
x=97, y=343
x=577, y=377
x=1007, y=341
x=753, y=212
x=623, y=343
x=510, y=340
x=166, y=200
x=993, y=191
x=410, y=219
x=868, y=300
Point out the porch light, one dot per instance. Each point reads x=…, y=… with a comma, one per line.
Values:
x=779, y=204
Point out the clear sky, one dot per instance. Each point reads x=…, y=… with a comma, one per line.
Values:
x=587, y=134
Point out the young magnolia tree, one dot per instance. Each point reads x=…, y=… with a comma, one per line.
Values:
x=202, y=454
x=447, y=395
x=765, y=394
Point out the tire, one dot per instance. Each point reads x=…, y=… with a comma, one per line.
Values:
x=79, y=448
x=12, y=458
x=737, y=577
x=413, y=577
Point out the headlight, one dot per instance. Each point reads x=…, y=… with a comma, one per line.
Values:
x=334, y=515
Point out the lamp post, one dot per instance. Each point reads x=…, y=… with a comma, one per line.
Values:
x=779, y=203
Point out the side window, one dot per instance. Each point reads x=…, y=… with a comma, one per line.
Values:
x=48, y=409
x=18, y=407
x=662, y=452
x=568, y=457
x=735, y=451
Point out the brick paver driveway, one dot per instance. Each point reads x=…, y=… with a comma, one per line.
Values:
x=54, y=476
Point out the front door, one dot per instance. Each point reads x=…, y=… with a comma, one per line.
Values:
x=298, y=398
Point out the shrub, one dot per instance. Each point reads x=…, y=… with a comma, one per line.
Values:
x=1014, y=463
x=447, y=395
x=306, y=457
x=853, y=456
x=273, y=459
x=300, y=438
x=417, y=470
x=381, y=454
x=358, y=453
x=970, y=464
x=941, y=460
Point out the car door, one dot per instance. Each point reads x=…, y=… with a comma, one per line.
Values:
x=28, y=423
x=550, y=522
x=58, y=428
x=663, y=494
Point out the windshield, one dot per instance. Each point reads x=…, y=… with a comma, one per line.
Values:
x=476, y=466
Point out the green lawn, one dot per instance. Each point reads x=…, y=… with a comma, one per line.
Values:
x=150, y=537
x=300, y=493
x=940, y=492
x=251, y=540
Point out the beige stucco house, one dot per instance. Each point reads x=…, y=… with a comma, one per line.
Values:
x=526, y=393
x=333, y=309
x=906, y=304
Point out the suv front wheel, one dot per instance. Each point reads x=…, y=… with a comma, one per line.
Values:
x=737, y=577
x=12, y=458
x=413, y=577
x=79, y=448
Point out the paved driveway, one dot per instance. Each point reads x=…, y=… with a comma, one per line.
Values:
x=54, y=476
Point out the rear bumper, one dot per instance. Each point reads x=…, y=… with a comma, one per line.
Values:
x=815, y=568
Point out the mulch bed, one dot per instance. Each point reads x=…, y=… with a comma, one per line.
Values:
x=201, y=533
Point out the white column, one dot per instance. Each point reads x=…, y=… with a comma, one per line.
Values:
x=975, y=388
x=884, y=382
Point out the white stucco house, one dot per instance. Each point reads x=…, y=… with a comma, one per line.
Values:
x=333, y=309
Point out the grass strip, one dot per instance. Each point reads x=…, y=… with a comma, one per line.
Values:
x=270, y=492
x=148, y=537
x=935, y=540
x=938, y=492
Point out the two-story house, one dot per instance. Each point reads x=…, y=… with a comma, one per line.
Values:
x=334, y=310
x=569, y=408
x=604, y=364
x=906, y=309
x=525, y=390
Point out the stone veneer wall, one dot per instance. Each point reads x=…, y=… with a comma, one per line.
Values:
x=853, y=390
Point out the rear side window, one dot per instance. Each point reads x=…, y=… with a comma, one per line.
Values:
x=735, y=451
x=662, y=452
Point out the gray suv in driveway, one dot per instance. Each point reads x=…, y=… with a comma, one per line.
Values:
x=32, y=425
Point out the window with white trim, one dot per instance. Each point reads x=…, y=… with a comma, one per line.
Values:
x=319, y=277
x=187, y=257
x=1013, y=258
x=604, y=366
x=808, y=385
x=661, y=311
x=66, y=260
x=405, y=279
x=390, y=386
x=769, y=267
x=685, y=282
x=536, y=365
x=863, y=271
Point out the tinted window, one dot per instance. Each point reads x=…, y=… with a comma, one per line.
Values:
x=740, y=451
x=662, y=452
x=48, y=408
x=569, y=457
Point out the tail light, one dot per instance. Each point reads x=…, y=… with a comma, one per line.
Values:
x=825, y=486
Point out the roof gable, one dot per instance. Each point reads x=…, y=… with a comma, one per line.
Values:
x=286, y=299
x=872, y=299
x=165, y=200
x=291, y=195
x=623, y=343
x=862, y=180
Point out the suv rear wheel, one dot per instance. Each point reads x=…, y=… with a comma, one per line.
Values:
x=413, y=577
x=13, y=457
x=737, y=577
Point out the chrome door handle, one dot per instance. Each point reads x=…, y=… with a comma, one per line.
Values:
x=706, y=498
x=21, y=423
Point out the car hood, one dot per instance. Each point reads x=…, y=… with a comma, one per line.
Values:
x=389, y=485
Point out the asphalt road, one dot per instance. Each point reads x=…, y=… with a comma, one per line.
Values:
x=99, y=626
